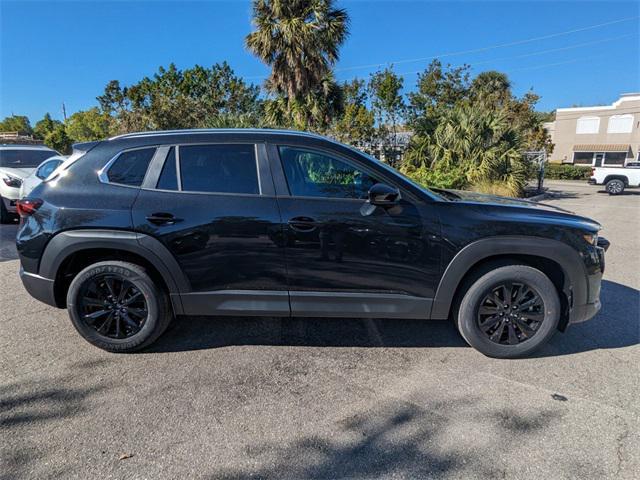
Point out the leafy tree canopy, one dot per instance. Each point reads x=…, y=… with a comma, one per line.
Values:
x=16, y=123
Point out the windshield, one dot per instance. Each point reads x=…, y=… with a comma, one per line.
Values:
x=24, y=158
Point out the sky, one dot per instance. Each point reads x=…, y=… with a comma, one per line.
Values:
x=570, y=53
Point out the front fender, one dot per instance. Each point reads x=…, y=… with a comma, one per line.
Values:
x=576, y=287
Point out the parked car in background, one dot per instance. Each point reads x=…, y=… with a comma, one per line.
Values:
x=16, y=163
x=616, y=179
x=45, y=169
x=146, y=226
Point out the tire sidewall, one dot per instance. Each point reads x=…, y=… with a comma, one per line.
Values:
x=535, y=279
x=133, y=275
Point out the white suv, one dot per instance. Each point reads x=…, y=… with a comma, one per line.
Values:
x=16, y=163
x=616, y=179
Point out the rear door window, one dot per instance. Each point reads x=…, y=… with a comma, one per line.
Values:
x=219, y=168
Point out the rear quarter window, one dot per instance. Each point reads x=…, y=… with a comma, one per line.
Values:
x=130, y=167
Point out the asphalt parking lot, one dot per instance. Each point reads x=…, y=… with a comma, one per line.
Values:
x=328, y=398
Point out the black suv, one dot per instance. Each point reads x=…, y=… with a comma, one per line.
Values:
x=145, y=226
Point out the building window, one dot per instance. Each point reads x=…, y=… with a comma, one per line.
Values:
x=615, y=159
x=583, y=158
x=620, y=124
x=588, y=125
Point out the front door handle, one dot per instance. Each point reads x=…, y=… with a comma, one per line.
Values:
x=162, y=218
x=303, y=224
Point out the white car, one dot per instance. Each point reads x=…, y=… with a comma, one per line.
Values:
x=45, y=169
x=16, y=163
x=616, y=179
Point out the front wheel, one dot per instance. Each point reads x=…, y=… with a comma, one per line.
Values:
x=117, y=307
x=615, y=187
x=509, y=312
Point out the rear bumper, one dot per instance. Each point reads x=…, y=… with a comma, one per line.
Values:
x=592, y=181
x=38, y=287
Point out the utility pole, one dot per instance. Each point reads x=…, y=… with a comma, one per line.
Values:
x=64, y=112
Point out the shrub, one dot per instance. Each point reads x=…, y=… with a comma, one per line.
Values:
x=558, y=171
x=438, y=177
x=495, y=188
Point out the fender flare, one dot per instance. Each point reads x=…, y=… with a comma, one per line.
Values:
x=610, y=177
x=69, y=242
x=575, y=287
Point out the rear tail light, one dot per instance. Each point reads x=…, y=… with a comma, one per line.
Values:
x=593, y=171
x=28, y=206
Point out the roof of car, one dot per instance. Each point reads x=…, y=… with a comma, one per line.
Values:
x=16, y=146
x=248, y=131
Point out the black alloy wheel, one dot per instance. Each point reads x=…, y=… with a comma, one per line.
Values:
x=113, y=306
x=511, y=313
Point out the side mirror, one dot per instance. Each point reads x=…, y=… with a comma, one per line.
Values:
x=383, y=195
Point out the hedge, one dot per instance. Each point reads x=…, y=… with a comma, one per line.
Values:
x=559, y=171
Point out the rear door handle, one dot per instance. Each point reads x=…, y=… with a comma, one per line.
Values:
x=303, y=224
x=162, y=218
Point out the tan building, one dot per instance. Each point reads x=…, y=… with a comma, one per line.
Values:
x=607, y=135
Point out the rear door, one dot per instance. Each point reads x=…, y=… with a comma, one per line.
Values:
x=213, y=207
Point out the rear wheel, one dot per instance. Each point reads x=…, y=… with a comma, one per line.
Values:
x=117, y=307
x=509, y=312
x=615, y=187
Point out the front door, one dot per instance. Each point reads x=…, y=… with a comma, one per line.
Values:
x=345, y=256
x=211, y=207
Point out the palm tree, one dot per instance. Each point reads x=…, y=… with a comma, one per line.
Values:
x=299, y=40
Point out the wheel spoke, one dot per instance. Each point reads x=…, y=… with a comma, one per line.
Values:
x=109, y=284
x=497, y=335
x=132, y=298
x=487, y=310
x=92, y=302
x=124, y=289
x=138, y=312
x=106, y=325
x=513, y=338
x=523, y=291
x=129, y=321
x=535, y=316
x=489, y=322
x=495, y=299
x=95, y=315
x=526, y=330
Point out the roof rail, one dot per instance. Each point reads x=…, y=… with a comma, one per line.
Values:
x=215, y=130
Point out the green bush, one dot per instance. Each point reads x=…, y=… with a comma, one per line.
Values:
x=438, y=177
x=558, y=171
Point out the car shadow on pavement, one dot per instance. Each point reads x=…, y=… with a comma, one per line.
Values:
x=397, y=439
x=616, y=326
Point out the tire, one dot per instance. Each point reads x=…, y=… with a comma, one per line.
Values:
x=94, y=283
x=498, y=344
x=615, y=187
x=5, y=216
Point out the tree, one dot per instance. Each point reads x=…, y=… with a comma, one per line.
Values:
x=59, y=140
x=438, y=89
x=89, y=125
x=356, y=125
x=481, y=144
x=16, y=123
x=45, y=126
x=388, y=105
x=193, y=98
x=299, y=40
